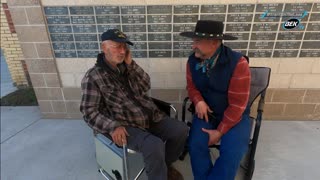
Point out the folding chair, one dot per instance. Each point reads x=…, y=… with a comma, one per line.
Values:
x=122, y=163
x=260, y=77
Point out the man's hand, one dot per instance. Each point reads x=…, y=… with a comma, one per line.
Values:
x=119, y=136
x=202, y=110
x=128, y=57
x=214, y=136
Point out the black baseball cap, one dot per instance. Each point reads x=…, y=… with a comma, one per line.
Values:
x=115, y=35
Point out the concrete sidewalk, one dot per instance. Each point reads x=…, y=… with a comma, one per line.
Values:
x=40, y=149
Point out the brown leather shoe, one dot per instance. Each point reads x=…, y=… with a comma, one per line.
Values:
x=174, y=174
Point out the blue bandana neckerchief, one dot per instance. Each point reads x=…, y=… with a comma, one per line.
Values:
x=208, y=63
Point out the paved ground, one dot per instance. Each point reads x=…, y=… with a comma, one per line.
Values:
x=40, y=149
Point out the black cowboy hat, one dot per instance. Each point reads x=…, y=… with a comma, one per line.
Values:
x=209, y=30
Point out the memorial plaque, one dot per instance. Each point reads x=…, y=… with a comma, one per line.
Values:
x=182, y=53
x=296, y=16
x=288, y=45
x=185, y=18
x=65, y=54
x=60, y=29
x=313, y=27
x=159, y=54
x=236, y=44
x=285, y=53
x=82, y=20
x=312, y=36
x=183, y=27
x=263, y=36
x=137, y=36
x=159, y=37
x=236, y=8
x=102, y=10
x=315, y=17
x=213, y=8
x=316, y=7
x=261, y=18
x=104, y=28
x=265, y=27
x=269, y=7
x=259, y=53
x=244, y=52
x=295, y=7
x=139, y=54
x=213, y=17
x=110, y=19
x=159, y=28
x=79, y=10
x=239, y=17
x=87, y=45
x=311, y=45
x=85, y=37
x=58, y=20
x=186, y=9
x=134, y=28
x=56, y=10
x=238, y=27
x=63, y=45
x=261, y=45
x=160, y=45
x=133, y=10
x=61, y=37
x=87, y=54
x=159, y=18
x=84, y=29
x=240, y=36
x=159, y=9
x=177, y=37
x=309, y=53
x=133, y=19
x=290, y=35
x=300, y=27
x=139, y=46
x=182, y=45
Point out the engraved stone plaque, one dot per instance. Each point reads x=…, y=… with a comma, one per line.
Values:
x=159, y=54
x=87, y=54
x=297, y=16
x=313, y=27
x=315, y=17
x=240, y=36
x=160, y=45
x=159, y=37
x=239, y=17
x=133, y=10
x=61, y=37
x=87, y=45
x=183, y=27
x=104, y=28
x=213, y=17
x=159, y=9
x=277, y=7
x=133, y=19
x=63, y=45
x=58, y=20
x=236, y=44
x=65, y=54
x=261, y=45
x=312, y=36
x=82, y=20
x=60, y=29
x=263, y=36
x=185, y=18
x=259, y=53
x=79, y=10
x=213, y=8
x=56, y=10
x=238, y=27
x=288, y=45
x=309, y=53
x=236, y=8
x=186, y=9
x=285, y=53
x=290, y=35
x=159, y=28
x=134, y=28
x=311, y=45
x=159, y=18
x=182, y=53
x=137, y=36
x=177, y=37
x=261, y=18
x=110, y=19
x=301, y=27
x=242, y=51
x=182, y=45
x=84, y=29
x=139, y=54
x=102, y=10
x=316, y=7
x=295, y=7
x=85, y=37
x=139, y=46
x=265, y=27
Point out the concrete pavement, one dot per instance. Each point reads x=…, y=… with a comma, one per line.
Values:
x=40, y=149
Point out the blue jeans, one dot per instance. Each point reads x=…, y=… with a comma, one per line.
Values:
x=233, y=146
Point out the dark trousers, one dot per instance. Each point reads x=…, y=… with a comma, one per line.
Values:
x=160, y=145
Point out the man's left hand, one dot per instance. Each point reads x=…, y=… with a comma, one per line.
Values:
x=214, y=136
x=128, y=57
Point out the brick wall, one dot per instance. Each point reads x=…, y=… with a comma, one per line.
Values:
x=12, y=49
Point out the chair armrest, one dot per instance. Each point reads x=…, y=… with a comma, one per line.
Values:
x=166, y=107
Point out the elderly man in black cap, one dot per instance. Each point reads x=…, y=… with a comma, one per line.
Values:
x=218, y=84
x=115, y=102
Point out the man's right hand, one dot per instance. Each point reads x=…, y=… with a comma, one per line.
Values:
x=119, y=136
x=202, y=110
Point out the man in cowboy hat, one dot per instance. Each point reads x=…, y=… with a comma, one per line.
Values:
x=115, y=103
x=218, y=84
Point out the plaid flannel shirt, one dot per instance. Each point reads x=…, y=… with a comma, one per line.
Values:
x=107, y=103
